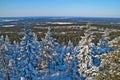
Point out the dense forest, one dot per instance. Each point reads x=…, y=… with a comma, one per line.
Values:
x=34, y=58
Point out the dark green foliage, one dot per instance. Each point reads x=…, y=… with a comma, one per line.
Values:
x=63, y=33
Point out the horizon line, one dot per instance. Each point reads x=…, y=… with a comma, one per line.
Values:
x=62, y=16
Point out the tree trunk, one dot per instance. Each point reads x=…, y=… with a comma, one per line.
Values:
x=7, y=76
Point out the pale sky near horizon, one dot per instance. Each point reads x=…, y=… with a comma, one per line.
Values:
x=82, y=8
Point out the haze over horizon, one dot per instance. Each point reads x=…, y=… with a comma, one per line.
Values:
x=82, y=8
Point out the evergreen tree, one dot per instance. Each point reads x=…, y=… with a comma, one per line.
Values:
x=110, y=65
x=69, y=56
x=102, y=48
x=71, y=62
x=61, y=52
x=48, y=52
x=85, y=54
x=27, y=60
x=4, y=60
x=103, y=45
x=14, y=59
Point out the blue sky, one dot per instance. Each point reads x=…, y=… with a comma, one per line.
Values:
x=83, y=8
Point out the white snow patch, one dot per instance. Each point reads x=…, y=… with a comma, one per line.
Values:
x=56, y=74
x=9, y=20
x=8, y=25
x=59, y=23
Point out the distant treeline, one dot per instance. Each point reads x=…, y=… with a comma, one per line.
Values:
x=70, y=33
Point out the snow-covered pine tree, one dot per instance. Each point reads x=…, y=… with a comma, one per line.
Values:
x=61, y=52
x=16, y=50
x=102, y=48
x=69, y=56
x=103, y=45
x=4, y=60
x=14, y=53
x=98, y=53
x=37, y=50
x=8, y=45
x=110, y=65
x=7, y=40
x=48, y=52
x=27, y=60
x=85, y=56
x=71, y=62
x=77, y=48
x=11, y=48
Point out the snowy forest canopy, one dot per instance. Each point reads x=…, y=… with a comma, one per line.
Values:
x=49, y=60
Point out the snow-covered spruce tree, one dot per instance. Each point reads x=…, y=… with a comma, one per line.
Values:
x=71, y=62
x=77, y=48
x=110, y=65
x=27, y=60
x=14, y=55
x=48, y=52
x=8, y=45
x=61, y=52
x=103, y=45
x=37, y=51
x=16, y=50
x=12, y=50
x=69, y=53
x=85, y=57
x=4, y=60
x=69, y=57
